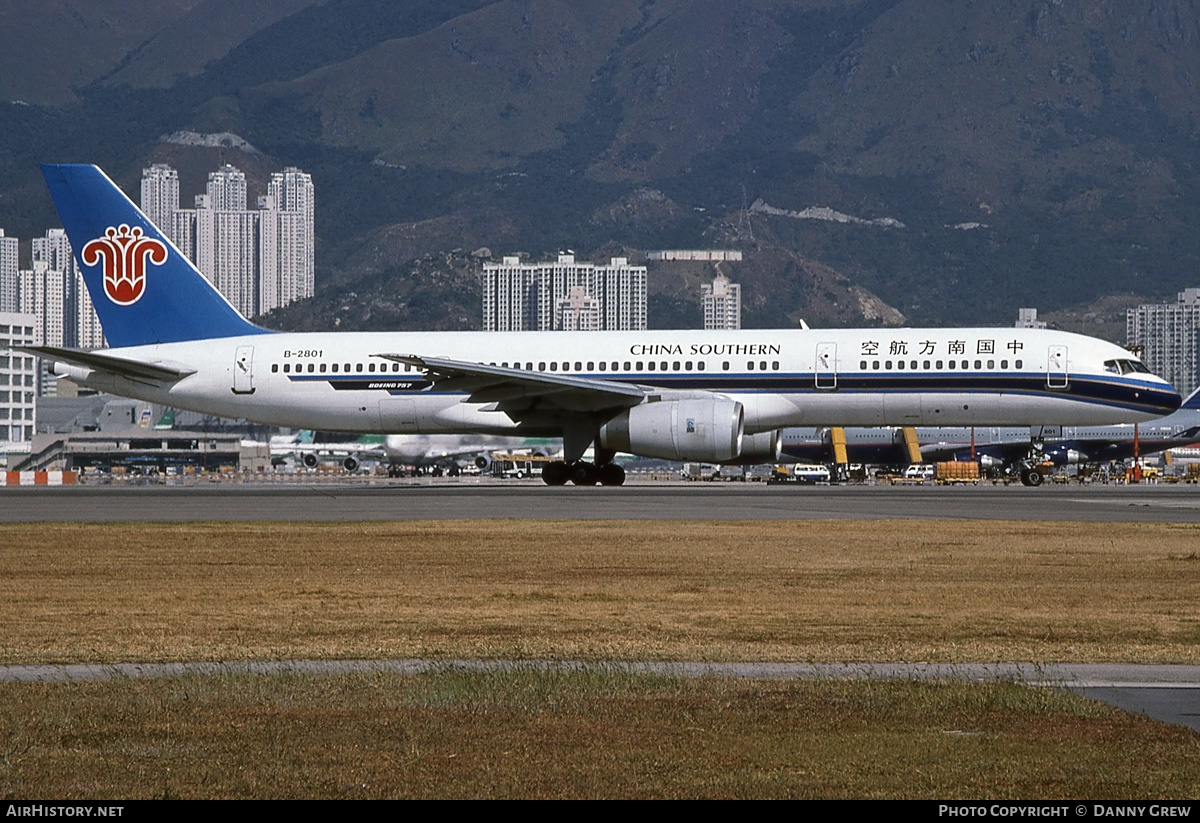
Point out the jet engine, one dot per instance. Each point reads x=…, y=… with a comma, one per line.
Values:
x=706, y=429
x=483, y=462
x=309, y=459
x=1065, y=456
x=759, y=449
x=350, y=464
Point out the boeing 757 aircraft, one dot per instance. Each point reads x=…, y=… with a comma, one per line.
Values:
x=714, y=397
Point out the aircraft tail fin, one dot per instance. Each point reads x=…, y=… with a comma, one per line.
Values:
x=144, y=289
x=1192, y=401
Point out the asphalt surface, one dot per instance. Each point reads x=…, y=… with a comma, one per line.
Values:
x=351, y=499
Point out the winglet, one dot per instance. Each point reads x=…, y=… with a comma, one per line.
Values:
x=144, y=289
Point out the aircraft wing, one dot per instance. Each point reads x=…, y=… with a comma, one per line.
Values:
x=516, y=390
x=109, y=364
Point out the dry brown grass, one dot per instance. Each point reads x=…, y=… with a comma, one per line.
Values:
x=594, y=733
x=815, y=590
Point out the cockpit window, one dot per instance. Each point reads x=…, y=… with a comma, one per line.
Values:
x=1125, y=366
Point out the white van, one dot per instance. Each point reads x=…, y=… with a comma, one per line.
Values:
x=919, y=471
x=810, y=473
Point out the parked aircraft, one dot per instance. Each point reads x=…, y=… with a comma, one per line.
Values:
x=313, y=448
x=449, y=451
x=1003, y=447
x=678, y=395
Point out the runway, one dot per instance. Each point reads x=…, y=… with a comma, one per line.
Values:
x=355, y=500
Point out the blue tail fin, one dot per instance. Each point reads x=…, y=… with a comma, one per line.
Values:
x=144, y=289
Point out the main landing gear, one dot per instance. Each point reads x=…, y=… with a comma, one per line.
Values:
x=582, y=473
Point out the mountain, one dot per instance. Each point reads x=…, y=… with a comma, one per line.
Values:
x=880, y=161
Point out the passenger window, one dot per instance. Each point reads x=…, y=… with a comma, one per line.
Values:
x=938, y=365
x=651, y=365
x=591, y=366
x=750, y=365
x=602, y=365
x=274, y=367
x=762, y=365
x=900, y=365
x=700, y=366
x=553, y=367
x=978, y=364
x=335, y=368
x=639, y=365
x=913, y=364
x=875, y=365
x=687, y=366
x=991, y=364
x=725, y=365
x=887, y=364
x=663, y=365
x=541, y=366
x=1019, y=363
x=566, y=367
x=358, y=367
x=322, y=368
x=675, y=366
x=1004, y=364
x=862, y=365
x=925, y=366
x=578, y=367
x=287, y=368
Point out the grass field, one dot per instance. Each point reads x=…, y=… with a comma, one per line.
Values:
x=600, y=591
x=814, y=591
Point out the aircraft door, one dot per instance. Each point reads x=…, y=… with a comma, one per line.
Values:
x=243, y=370
x=825, y=369
x=1056, y=368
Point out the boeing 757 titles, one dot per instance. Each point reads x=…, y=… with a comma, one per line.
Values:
x=717, y=397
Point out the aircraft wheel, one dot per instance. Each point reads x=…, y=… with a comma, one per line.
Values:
x=611, y=475
x=584, y=474
x=1031, y=477
x=555, y=473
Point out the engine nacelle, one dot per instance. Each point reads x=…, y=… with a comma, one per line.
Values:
x=350, y=464
x=987, y=461
x=1065, y=456
x=759, y=449
x=483, y=462
x=705, y=429
x=309, y=459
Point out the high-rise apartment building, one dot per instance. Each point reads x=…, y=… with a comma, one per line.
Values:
x=578, y=311
x=260, y=259
x=18, y=381
x=527, y=296
x=286, y=240
x=722, y=303
x=8, y=272
x=160, y=197
x=1167, y=335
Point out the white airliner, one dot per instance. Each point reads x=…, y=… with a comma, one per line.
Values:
x=715, y=397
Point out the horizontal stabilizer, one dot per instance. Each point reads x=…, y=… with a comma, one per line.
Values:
x=107, y=363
